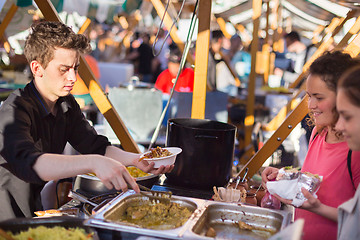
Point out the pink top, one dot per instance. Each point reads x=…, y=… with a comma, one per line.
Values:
x=329, y=161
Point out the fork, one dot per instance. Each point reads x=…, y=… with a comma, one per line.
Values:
x=156, y=196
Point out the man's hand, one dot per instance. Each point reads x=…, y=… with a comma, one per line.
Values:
x=269, y=173
x=149, y=167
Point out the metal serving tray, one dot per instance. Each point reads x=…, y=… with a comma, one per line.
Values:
x=223, y=217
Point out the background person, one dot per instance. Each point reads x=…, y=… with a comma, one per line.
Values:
x=328, y=151
x=37, y=122
x=166, y=79
x=348, y=106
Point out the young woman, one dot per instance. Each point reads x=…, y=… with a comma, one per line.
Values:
x=328, y=151
x=348, y=106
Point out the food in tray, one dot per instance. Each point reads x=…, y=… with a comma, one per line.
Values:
x=245, y=226
x=57, y=232
x=210, y=232
x=156, y=153
x=57, y=212
x=158, y=216
x=134, y=172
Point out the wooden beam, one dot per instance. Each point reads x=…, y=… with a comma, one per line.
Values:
x=106, y=108
x=232, y=71
x=7, y=46
x=222, y=25
x=84, y=26
x=266, y=46
x=95, y=89
x=7, y=19
x=226, y=60
x=244, y=34
x=250, y=101
x=201, y=60
x=160, y=9
x=354, y=47
x=352, y=31
x=289, y=123
x=335, y=28
x=317, y=33
x=278, y=42
x=277, y=138
x=284, y=111
x=279, y=118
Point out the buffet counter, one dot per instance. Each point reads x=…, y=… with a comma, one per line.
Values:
x=205, y=212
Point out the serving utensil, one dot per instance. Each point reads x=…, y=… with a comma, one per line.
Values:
x=246, y=171
x=82, y=198
x=156, y=196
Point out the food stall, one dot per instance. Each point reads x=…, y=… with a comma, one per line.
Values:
x=104, y=212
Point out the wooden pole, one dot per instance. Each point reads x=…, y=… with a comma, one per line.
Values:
x=95, y=89
x=84, y=26
x=334, y=29
x=222, y=25
x=289, y=123
x=7, y=19
x=201, y=60
x=276, y=139
x=250, y=101
x=277, y=120
x=266, y=46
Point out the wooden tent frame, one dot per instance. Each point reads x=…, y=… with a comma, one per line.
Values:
x=255, y=163
x=199, y=94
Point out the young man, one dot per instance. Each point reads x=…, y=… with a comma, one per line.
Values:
x=37, y=121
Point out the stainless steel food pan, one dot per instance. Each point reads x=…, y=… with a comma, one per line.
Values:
x=120, y=203
x=223, y=217
x=224, y=220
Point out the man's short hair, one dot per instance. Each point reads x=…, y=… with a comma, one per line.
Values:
x=45, y=37
x=216, y=35
x=175, y=55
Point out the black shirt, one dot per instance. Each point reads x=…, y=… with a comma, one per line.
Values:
x=27, y=130
x=145, y=58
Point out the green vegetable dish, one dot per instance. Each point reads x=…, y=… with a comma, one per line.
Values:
x=54, y=233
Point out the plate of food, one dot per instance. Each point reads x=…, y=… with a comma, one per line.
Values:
x=161, y=156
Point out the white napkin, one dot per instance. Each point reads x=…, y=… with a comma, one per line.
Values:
x=287, y=189
x=229, y=195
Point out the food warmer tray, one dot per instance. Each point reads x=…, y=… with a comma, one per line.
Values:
x=223, y=217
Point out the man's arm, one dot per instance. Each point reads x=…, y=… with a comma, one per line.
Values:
x=112, y=173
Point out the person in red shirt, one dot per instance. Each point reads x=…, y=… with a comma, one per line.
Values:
x=166, y=79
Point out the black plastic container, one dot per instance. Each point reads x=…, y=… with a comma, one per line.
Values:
x=208, y=151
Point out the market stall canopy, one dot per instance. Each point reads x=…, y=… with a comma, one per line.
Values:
x=304, y=15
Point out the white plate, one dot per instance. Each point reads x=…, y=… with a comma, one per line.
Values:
x=167, y=160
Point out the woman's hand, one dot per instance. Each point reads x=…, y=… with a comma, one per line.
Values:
x=311, y=204
x=269, y=173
